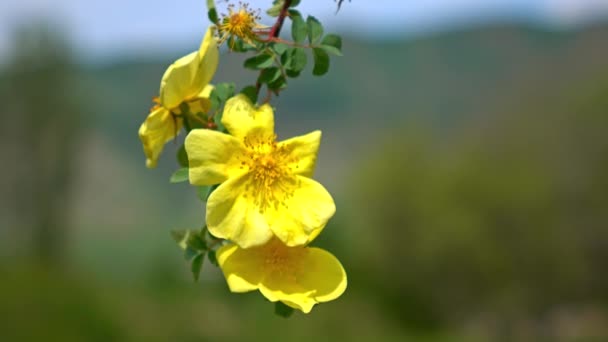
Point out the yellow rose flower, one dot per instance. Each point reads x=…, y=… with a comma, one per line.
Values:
x=266, y=189
x=185, y=81
x=300, y=277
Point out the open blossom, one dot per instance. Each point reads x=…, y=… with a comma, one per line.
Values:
x=241, y=24
x=266, y=189
x=300, y=277
x=185, y=81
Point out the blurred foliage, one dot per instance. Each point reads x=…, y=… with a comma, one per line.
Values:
x=41, y=129
x=502, y=226
x=471, y=178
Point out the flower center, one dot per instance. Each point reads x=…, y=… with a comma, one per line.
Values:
x=240, y=24
x=281, y=259
x=271, y=181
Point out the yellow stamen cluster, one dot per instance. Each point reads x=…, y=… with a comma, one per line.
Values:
x=271, y=180
x=241, y=24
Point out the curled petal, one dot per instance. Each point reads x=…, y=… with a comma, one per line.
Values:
x=188, y=76
x=158, y=128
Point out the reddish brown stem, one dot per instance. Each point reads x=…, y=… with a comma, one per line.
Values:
x=275, y=31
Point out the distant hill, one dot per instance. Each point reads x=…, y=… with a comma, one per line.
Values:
x=443, y=78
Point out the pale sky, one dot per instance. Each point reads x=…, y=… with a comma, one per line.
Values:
x=110, y=27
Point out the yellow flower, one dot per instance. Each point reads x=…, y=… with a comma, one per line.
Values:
x=241, y=24
x=185, y=81
x=300, y=277
x=266, y=189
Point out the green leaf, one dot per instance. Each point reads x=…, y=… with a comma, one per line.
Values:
x=201, y=192
x=321, y=59
x=294, y=3
x=196, y=242
x=181, y=237
x=223, y=91
x=251, y=92
x=179, y=176
x=182, y=156
x=332, y=43
x=279, y=48
x=212, y=12
x=298, y=60
x=275, y=10
x=190, y=253
x=278, y=84
x=197, y=266
x=212, y=258
x=332, y=40
x=298, y=27
x=283, y=310
x=269, y=75
x=260, y=61
x=315, y=29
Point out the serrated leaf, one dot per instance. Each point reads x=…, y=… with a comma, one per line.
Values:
x=260, y=61
x=197, y=266
x=299, y=29
x=251, y=92
x=321, y=59
x=269, y=75
x=283, y=310
x=179, y=176
x=315, y=29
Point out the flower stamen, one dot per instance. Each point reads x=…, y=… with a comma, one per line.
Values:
x=271, y=181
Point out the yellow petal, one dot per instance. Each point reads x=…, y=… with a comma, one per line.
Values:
x=241, y=268
x=303, y=151
x=324, y=273
x=317, y=276
x=212, y=156
x=209, y=56
x=189, y=75
x=176, y=84
x=300, y=277
x=202, y=103
x=307, y=213
x=241, y=117
x=232, y=215
x=158, y=128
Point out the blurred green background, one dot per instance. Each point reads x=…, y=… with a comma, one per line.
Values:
x=469, y=168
